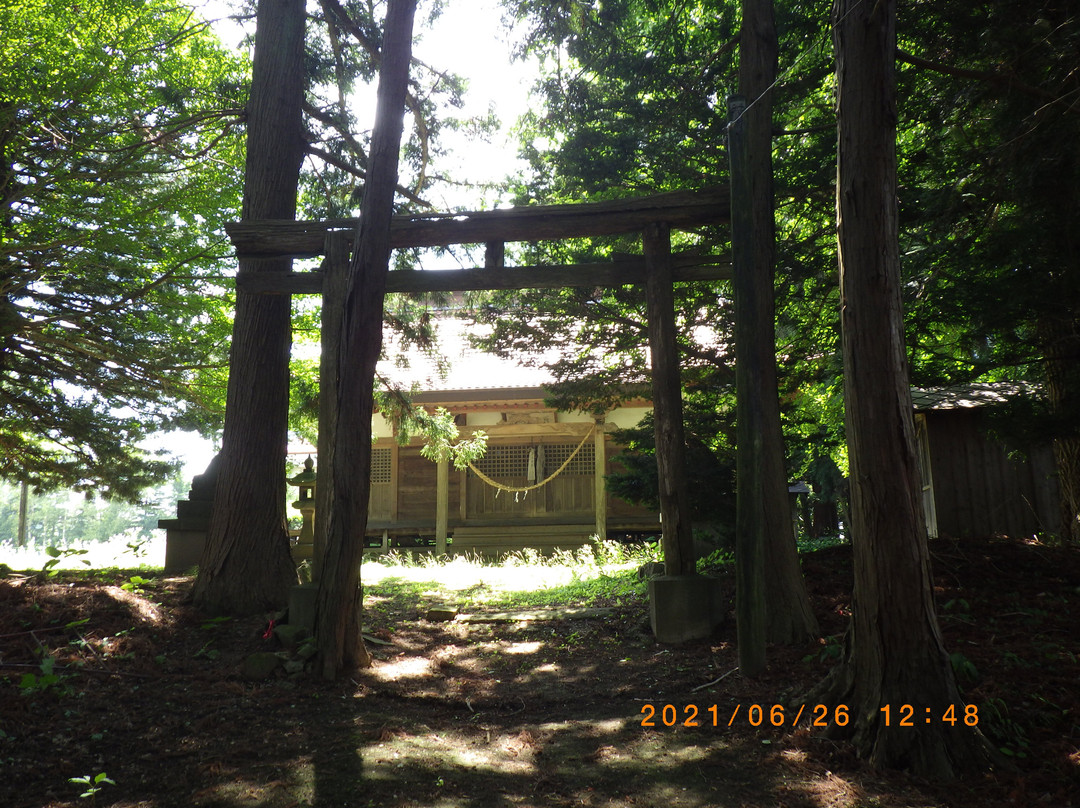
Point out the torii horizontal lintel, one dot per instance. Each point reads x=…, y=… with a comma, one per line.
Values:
x=614, y=273
x=268, y=238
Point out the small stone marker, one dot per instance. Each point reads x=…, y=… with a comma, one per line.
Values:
x=441, y=613
x=291, y=636
x=260, y=665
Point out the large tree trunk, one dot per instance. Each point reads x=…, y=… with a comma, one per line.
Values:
x=246, y=566
x=339, y=598
x=895, y=655
x=763, y=506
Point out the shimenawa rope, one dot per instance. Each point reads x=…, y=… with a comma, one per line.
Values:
x=542, y=483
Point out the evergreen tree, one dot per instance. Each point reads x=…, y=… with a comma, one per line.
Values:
x=118, y=165
x=990, y=170
x=894, y=650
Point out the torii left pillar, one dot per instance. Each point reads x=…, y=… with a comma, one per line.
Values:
x=335, y=270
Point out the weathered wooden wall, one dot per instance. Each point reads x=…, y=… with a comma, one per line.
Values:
x=979, y=491
x=404, y=499
x=417, y=487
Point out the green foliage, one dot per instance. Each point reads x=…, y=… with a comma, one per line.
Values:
x=59, y=519
x=48, y=680
x=136, y=584
x=119, y=161
x=206, y=652
x=963, y=668
x=91, y=783
x=990, y=170
x=710, y=465
x=342, y=61
x=630, y=92
x=832, y=649
x=996, y=721
x=442, y=439
x=211, y=624
x=633, y=104
x=57, y=555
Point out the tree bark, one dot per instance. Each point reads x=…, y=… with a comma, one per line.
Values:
x=246, y=566
x=763, y=508
x=894, y=650
x=750, y=525
x=339, y=597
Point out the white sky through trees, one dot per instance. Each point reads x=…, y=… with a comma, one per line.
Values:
x=468, y=39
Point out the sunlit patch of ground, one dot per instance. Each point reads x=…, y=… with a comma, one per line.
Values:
x=468, y=580
x=461, y=576
x=147, y=610
x=404, y=668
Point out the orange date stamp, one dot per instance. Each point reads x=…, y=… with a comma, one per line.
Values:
x=817, y=715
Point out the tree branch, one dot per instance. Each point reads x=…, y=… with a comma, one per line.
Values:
x=983, y=75
x=360, y=173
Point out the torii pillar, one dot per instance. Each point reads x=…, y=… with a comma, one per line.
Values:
x=683, y=606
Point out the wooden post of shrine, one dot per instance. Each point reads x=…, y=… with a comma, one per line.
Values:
x=336, y=271
x=335, y=268
x=442, y=504
x=599, y=470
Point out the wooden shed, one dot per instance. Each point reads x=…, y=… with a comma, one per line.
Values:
x=973, y=485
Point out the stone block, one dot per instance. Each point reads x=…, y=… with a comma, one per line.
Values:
x=183, y=549
x=291, y=636
x=684, y=608
x=260, y=665
x=441, y=612
x=302, y=606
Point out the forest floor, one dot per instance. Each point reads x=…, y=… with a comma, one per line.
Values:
x=144, y=691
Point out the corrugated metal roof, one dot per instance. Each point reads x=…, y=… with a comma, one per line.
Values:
x=454, y=365
x=968, y=396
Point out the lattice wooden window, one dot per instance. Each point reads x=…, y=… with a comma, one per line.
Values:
x=583, y=463
x=380, y=466
x=501, y=462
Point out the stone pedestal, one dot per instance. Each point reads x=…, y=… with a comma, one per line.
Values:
x=183, y=547
x=302, y=606
x=683, y=608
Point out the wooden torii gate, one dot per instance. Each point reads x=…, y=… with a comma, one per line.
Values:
x=657, y=268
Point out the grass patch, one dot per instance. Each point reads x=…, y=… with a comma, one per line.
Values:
x=809, y=545
x=601, y=574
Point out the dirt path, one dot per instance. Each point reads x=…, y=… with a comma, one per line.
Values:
x=509, y=714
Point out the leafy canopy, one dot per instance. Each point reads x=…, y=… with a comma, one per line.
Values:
x=119, y=162
x=633, y=103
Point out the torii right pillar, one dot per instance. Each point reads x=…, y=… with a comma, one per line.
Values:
x=683, y=605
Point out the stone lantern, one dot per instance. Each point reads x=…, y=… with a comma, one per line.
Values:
x=304, y=549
